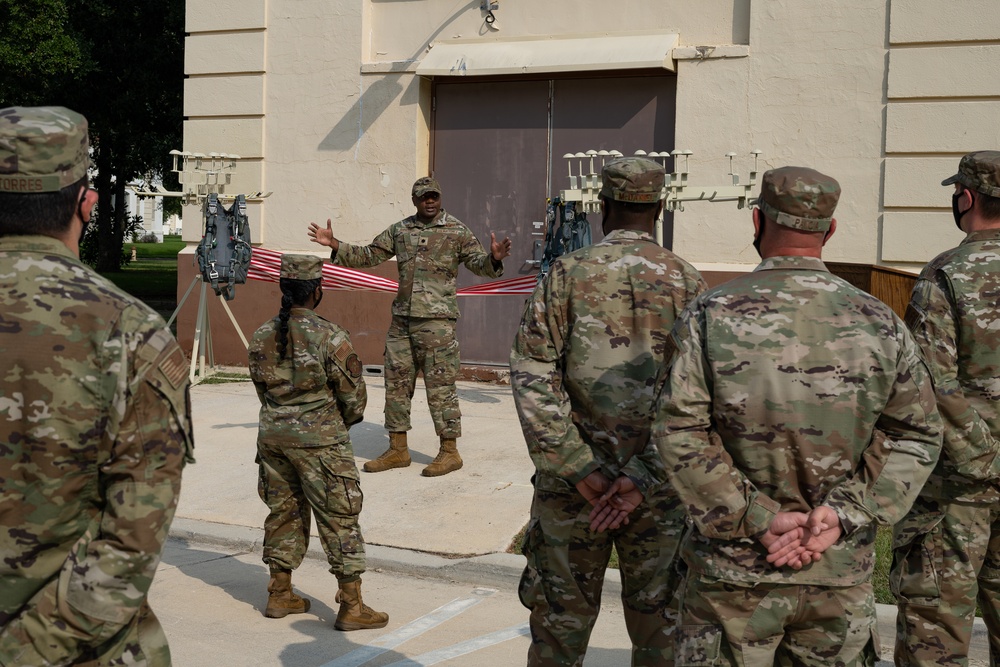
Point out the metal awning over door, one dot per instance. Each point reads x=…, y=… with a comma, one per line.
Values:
x=547, y=55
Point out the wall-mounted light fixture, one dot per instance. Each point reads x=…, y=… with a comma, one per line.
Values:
x=490, y=6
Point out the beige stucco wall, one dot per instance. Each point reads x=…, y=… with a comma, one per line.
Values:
x=321, y=101
x=942, y=102
x=810, y=93
x=401, y=31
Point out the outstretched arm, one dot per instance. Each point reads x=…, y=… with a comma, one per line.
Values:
x=324, y=236
x=499, y=249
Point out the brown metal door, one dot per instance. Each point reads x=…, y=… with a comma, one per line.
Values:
x=491, y=148
x=490, y=152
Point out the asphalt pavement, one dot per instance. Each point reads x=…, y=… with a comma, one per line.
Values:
x=436, y=548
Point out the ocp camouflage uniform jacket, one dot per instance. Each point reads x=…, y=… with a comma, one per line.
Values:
x=428, y=255
x=586, y=356
x=954, y=318
x=312, y=396
x=94, y=433
x=800, y=374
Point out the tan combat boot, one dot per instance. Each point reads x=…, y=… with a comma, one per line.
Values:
x=397, y=456
x=446, y=461
x=281, y=600
x=354, y=614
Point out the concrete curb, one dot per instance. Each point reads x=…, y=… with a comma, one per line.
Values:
x=498, y=570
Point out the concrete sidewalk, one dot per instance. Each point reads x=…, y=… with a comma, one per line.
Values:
x=477, y=510
x=455, y=528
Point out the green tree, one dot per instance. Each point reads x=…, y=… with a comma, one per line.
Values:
x=127, y=78
x=38, y=50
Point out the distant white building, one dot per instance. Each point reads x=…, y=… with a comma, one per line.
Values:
x=151, y=210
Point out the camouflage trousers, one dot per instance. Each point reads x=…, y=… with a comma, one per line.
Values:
x=140, y=644
x=416, y=344
x=725, y=623
x=295, y=480
x=946, y=557
x=562, y=582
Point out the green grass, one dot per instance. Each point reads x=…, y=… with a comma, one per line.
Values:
x=225, y=378
x=150, y=279
x=172, y=244
x=883, y=561
x=152, y=276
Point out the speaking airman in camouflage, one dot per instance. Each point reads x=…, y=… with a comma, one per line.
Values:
x=583, y=362
x=947, y=551
x=796, y=404
x=94, y=419
x=311, y=391
x=428, y=247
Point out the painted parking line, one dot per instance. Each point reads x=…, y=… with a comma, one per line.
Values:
x=413, y=629
x=463, y=648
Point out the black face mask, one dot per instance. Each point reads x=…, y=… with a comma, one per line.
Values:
x=319, y=300
x=954, y=208
x=79, y=212
x=760, y=236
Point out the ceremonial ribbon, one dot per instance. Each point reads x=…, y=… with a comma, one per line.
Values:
x=266, y=265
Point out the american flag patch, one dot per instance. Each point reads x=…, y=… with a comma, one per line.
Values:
x=344, y=350
x=174, y=368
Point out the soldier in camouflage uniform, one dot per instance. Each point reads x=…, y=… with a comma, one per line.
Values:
x=792, y=397
x=308, y=379
x=94, y=419
x=947, y=550
x=428, y=247
x=582, y=368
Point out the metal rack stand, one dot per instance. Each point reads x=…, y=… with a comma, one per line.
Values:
x=585, y=188
x=201, y=175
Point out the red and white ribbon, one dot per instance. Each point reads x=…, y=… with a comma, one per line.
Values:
x=266, y=265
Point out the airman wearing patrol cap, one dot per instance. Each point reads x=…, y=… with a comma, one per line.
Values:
x=42, y=149
x=301, y=267
x=633, y=180
x=799, y=198
x=979, y=171
x=429, y=247
x=796, y=198
x=769, y=407
x=590, y=343
x=954, y=317
x=425, y=185
x=109, y=428
x=308, y=378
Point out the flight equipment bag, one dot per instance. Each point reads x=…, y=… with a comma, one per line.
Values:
x=224, y=252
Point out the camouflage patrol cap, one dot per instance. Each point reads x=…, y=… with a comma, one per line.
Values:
x=635, y=180
x=799, y=197
x=979, y=171
x=301, y=267
x=425, y=185
x=42, y=149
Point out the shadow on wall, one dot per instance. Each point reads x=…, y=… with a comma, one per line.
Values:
x=741, y=21
x=366, y=110
x=383, y=92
